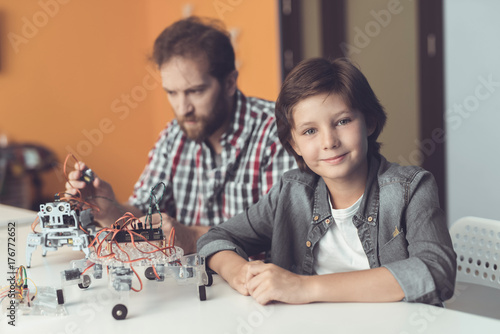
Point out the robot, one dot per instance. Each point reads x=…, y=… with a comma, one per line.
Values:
x=118, y=248
x=62, y=224
x=120, y=251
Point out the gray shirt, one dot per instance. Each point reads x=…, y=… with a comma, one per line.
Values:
x=399, y=223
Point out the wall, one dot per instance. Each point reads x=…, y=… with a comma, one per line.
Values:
x=382, y=40
x=311, y=28
x=75, y=76
x=472, y=77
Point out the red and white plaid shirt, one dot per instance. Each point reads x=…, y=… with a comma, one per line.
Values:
x=198, y=191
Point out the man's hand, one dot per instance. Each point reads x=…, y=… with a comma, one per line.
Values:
x=185, y=236
x=98, y=193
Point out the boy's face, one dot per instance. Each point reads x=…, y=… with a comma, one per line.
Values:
x=332, y=140
x=200, y=103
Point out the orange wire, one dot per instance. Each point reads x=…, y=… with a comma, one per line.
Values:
x=109, y=239
x=156, y=274
x=138, y=277
x=98, y=250
x=35, y=223
x=83, y=272
x=132, y=267
x=84, y=230
x=79, y=203
x=171, y=237
x=132, y=233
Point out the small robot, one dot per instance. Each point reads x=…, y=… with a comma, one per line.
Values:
x=63, y=223
x=120, y=250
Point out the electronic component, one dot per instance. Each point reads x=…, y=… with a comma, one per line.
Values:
x=72, y=274
x=87, y=176
x=146, y=234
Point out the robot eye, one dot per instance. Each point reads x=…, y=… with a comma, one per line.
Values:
x=61, y=208
x=48, y=208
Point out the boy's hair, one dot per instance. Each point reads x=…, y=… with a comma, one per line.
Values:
x=319, y=76
x=192, y=37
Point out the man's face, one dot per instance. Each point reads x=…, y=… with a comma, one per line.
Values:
x=199, y=101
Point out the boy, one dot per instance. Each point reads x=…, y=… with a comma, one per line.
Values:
x=348, y=226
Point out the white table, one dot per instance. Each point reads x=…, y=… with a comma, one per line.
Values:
x=21, y=216
x=177, y=309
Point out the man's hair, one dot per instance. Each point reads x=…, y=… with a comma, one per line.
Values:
x=195, y=36
x=319, y=76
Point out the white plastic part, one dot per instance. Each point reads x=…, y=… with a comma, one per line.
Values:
x=477, y=244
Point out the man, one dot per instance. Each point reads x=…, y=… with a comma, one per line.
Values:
x=218, y=156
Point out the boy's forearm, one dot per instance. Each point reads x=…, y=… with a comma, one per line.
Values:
x=225, y=263
x=372, y=285
x=232, y=268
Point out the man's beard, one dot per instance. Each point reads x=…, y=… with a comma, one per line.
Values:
x=206, y=125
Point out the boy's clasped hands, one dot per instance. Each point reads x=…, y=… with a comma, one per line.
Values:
x=266, y=282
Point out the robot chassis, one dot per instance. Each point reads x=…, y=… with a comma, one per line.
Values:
x=64, y=225
x=61, y=225
x=186, y=269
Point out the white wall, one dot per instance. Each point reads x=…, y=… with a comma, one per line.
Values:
x=472, y=86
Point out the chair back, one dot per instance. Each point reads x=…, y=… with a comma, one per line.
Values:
x=477, y=244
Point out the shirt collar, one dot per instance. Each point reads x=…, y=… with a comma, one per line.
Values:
x=368, y=208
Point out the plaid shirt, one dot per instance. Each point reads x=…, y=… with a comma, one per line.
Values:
x=198, y=192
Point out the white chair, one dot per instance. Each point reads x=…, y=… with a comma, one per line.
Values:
x=477, y=244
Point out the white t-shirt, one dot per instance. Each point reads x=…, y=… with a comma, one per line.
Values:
x=340, y=249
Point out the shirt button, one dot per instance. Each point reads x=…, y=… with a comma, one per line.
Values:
x=370, y=218
x=316, y=218
x=308, y=244
x=327, y=221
